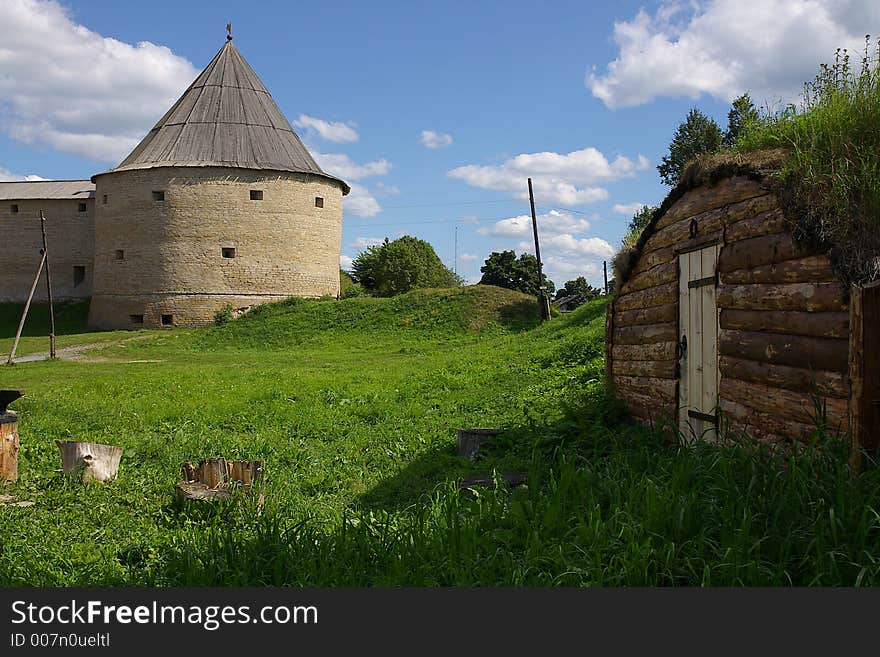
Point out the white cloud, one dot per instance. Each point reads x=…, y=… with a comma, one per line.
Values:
x=468, y=257
x=727, y=47
x=554, y=222
x=565, y=257
x=627, y=208
x=365, y=242
x=564, y=178
x=339, y=164
x=569, y=245
x=386, y=190
x=431, y=139
x=360, y=202
x=345, y=262
x=338, y=132
x=7, y=176
x=67, y=87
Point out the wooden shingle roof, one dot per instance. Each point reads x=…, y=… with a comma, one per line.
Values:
x=46, y=189
x=225, y=118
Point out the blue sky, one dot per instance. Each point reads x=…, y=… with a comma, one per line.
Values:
x=435, y=112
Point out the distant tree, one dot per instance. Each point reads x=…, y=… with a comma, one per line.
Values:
x=742, y=113
x=348, y=288
x=396, y=267
x=698, y=134
x=504, y=269
x=579, y=288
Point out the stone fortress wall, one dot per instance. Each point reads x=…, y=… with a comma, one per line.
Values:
x=173, y=245
x=69, y=236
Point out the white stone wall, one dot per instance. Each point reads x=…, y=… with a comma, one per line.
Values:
x=172, y=250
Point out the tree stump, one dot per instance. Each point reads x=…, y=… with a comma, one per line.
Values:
x=210, y=480
x=470, y=440
x=9, y=436
x=90, y=461
x=8, y=446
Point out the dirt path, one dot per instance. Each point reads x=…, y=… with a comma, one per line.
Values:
x=78, y=352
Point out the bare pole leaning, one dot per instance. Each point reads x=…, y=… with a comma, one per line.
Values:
x=48, y=288
x=605, y=275
x=543, y=302
x=24, y=313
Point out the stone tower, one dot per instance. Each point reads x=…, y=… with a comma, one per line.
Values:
x=220, y=204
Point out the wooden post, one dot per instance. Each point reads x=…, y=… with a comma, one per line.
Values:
x=470, y=440
x=92, y=461
x=24, y=313
x=48, y=288
x=8, y=446
x=543, y=301
x=605, y=274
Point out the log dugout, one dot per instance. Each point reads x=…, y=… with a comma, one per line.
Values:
x=9, y=444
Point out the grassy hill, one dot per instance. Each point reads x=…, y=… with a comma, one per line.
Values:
x=354, y=407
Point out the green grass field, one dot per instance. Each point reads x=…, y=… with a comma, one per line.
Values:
x=354, y=407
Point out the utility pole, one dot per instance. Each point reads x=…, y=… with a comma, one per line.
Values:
x=455, y=266
x=543, y=301
x=605, y=274
x=48, y=288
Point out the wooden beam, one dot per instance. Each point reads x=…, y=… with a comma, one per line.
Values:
x=811, y=269
x=652, y=296
x=787, y=405
x=827, y=384
x=641, y=316
x=828, y=354
x=809, y=297
x=820, y=325
x=646, y=334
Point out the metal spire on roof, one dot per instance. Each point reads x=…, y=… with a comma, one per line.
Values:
x=229, y=31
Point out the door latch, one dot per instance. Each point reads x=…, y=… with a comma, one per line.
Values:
x=681, y=348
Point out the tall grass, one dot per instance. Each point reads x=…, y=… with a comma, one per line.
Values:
x=832, y=179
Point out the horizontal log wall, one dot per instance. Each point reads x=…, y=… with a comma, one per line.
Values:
x=783, y=316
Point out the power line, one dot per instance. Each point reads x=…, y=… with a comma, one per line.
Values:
x=438, y=205
x=469, y=220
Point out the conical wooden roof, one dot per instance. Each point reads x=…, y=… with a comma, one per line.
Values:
x=225, y=118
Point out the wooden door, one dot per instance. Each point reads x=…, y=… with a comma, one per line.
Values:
x=697, y=350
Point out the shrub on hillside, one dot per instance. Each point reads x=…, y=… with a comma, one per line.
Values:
x=396, y=267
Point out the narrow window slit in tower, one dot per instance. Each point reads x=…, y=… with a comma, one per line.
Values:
x=136, y=319
x=79, y=275
x=256, y=194
x=167, y=320
x=82, y=207
x=228, y=252
x=104, y=199
x=159, y=196
x=120, y=254
x=14, y=208
x=319, y=202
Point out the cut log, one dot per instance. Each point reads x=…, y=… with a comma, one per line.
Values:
x=809, y=297
x=738, y=418
x=663, y=273
x=655, y=315
x=662, y=369
x=210, y=480
x=820, y=325
x=827, y=384
x=812, y=269
x=470, y=440
x=829, y=354
x=785, y=404
x=652, y=296
x=89, y=461
x=752, y=207
x=709, y=197
x=660, y=411
x=647, y=260
x=758, y=251
x=655, y=351
x=767, y=223
x=645, y=334
x=8, y=447
x=646, y=385
x=674, y=234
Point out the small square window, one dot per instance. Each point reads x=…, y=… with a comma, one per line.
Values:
x=167, y=320
x=256, y=194
x=14, y=208
x=319, y=202
x=120, y=254
x=79, y=275
x=159, y=196
x=228, y=252
x=81, y=207
x=136, y=319
x=104, y=199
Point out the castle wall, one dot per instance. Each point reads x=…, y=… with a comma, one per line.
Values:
x=172, y=251
x=70, y=238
